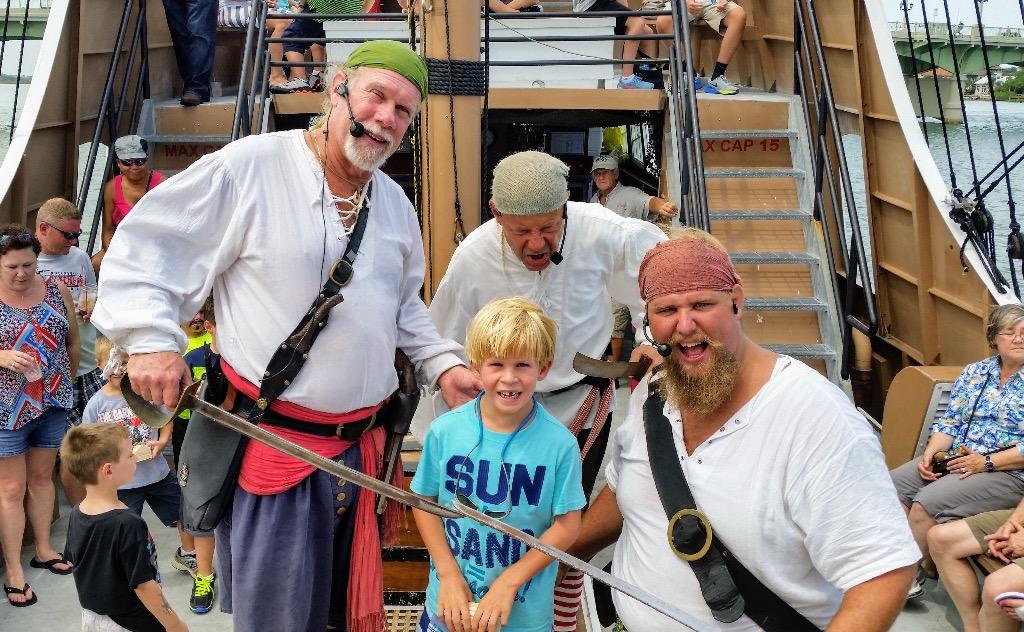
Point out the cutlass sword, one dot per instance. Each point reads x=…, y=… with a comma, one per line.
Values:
x=154, y=417
x=641, y=595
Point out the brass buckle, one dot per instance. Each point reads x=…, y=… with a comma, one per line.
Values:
x=341, y=272
x=367, y=428
x=703, y=550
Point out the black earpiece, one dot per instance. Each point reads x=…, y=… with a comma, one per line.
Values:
x=556, y=256
x=735, y=310
x=356, y=128
x=664, y=350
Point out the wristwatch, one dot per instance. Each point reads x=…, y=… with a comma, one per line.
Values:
x=989, y=466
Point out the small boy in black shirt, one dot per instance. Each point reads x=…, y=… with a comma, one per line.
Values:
x=114, y=555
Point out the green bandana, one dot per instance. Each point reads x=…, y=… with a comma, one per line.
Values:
x=391, y=55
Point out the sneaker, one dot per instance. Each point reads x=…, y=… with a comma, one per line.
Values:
x=721, y=85
x=316, y=81
x=698, y=82
x=184, y=562
x=203, y=594
x=633, y=82
x=916, y=591
x=295, y=85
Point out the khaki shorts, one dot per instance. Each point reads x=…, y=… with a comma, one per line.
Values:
x=709, y=14
x=713, y=17
x=987, y=523
x=620, y=324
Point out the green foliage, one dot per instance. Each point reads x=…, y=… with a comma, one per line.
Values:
x=1012, y=88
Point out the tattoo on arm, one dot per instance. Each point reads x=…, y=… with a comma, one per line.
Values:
x=166, y=607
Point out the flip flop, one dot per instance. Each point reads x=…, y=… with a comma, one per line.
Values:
x=20, y=591
x=50, y=564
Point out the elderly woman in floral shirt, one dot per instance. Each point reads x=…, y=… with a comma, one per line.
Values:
x=986, y=418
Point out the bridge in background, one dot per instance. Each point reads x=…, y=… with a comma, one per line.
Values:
x=1005, y=46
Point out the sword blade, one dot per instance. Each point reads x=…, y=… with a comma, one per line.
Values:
x=585, y=365
x=153, y=416
x=344, y=472
x=611, y=581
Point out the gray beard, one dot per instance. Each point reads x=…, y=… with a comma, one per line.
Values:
x=364, y=159
x=701, y=394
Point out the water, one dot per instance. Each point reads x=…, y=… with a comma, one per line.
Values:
x=981, y=120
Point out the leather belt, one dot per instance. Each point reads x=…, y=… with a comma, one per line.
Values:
x=348, y=431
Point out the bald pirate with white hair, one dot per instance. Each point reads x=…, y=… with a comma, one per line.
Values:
x=568, y=257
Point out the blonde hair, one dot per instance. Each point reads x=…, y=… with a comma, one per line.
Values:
x=103, y=347
x=689, y=232
x=57, y=210
x=86, y=448
x=511, y=328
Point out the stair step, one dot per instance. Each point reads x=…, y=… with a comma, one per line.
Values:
x=742, y=214
x=803, y=352
x=762, y=172
x=784, y=304
x=748, y=133
x=773, y=257
x=185, y=138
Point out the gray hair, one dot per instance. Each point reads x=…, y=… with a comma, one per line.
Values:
x=1003, y=317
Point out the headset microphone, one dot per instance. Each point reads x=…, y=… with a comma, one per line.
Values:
x=556, y=256
x=664, y=350
x=356, y=129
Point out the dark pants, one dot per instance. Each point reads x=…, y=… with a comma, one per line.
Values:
x=193, y=27
x=592, y=464
x=283, y=560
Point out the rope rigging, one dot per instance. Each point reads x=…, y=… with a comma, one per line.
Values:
x=969, y=210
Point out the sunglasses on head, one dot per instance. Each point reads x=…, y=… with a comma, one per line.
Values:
x=6, y=240
x=68, y=234
x=133, y=162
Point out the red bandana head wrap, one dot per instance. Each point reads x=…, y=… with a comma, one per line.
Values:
x=686, y=264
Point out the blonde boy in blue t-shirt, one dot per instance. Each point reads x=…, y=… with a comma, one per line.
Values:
x=505, y=455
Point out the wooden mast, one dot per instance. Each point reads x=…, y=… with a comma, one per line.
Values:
x=444, y=156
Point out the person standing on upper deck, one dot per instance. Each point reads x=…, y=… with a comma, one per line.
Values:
x=628, y=202
x=193, y=27
x=302, y=550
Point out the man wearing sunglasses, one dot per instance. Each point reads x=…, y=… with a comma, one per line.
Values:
x=58, y=227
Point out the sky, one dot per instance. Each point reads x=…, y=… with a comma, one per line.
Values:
x=994, y=12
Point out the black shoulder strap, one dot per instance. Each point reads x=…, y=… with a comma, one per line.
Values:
x=291, y=354
x=728, y=588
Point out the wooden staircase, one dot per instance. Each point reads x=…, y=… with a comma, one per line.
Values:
x=760, y=196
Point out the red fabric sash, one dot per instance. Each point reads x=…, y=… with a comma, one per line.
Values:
x=266, y=471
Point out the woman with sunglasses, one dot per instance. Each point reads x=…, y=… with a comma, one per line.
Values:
x=124, y=191
x=39, y=350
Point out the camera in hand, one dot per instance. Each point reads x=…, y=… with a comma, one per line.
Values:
x=941, y=459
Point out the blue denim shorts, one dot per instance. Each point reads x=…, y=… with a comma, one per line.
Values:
x=45, y=431
x=163, y=496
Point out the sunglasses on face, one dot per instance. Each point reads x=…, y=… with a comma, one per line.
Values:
x=68, y=234
x=133, y=162
x=6, y=240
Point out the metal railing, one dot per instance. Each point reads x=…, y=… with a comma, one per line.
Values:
x=960, y=31
x=813, y=86
x=110, y=119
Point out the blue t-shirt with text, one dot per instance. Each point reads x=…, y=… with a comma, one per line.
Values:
x=541, y=478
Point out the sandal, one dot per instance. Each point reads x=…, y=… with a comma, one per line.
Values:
x=50, y=564
x=20, y=591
